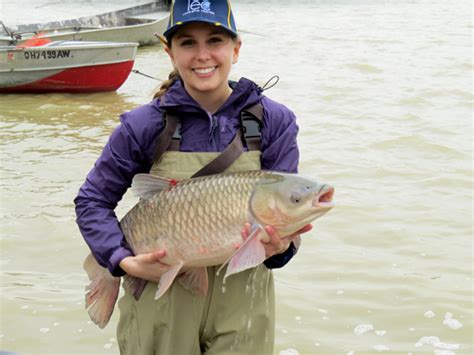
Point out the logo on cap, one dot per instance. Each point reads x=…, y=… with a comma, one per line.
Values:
x=198, y=6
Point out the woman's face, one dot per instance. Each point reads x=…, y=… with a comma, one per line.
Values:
x=203, y=54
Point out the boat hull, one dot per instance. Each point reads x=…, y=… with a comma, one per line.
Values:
x=94, y=78
x=66, y=67
x=134, y=24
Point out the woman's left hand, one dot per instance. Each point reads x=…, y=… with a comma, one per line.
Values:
x=275, y=243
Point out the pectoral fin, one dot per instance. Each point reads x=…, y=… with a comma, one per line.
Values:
x=134, y=285
x=250, y=254
x=167, y=279
x=195, y=280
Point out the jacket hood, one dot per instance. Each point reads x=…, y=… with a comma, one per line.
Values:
x=176, y=99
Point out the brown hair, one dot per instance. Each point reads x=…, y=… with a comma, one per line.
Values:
x=172, y=77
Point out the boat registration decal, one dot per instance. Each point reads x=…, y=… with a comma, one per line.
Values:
x=47, y=54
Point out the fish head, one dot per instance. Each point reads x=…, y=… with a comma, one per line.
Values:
x=288, y=201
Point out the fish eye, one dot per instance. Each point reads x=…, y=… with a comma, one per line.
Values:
x=295, y=199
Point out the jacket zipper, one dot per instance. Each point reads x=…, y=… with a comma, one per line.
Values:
x=212, y=131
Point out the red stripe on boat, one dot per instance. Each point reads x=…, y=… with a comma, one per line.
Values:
x=105, y=77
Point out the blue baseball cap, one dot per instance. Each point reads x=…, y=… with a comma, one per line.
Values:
x=216, y=12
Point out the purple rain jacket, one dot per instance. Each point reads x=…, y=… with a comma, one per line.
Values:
x=129, y=151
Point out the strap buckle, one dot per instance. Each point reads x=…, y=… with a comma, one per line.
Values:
x=177, y=131
x=251, y=126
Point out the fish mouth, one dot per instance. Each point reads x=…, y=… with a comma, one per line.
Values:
x=323, y=198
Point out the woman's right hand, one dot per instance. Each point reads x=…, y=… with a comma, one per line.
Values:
x=145, y=266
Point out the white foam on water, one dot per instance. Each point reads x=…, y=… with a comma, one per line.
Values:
x=451, y=322
x=435, y=342
x=444, y=352
x=363, y=328
x=380, y=333
x=44, y=330
x=381, y=348
x=289, y=351
x=108, y=346
x=429, y=314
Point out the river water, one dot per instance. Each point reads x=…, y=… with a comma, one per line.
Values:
x=383, y=95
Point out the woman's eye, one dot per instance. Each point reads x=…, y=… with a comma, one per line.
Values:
x=187, y=43
x=214, y=40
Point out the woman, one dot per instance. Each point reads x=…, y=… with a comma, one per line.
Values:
x=235, y=317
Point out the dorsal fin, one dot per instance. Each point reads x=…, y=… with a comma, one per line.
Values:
x=146, y=185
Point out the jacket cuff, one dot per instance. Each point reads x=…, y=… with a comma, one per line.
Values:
x=115, y=260
x=280, y=260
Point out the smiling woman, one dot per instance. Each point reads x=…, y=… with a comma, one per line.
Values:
x=203, y=56
x=383, y=96
x=206, y=113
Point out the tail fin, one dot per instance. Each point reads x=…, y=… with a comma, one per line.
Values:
x=101, y=293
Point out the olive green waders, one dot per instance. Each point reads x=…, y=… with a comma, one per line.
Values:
x=235, y=317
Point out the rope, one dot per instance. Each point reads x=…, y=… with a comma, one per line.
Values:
x=146, y=75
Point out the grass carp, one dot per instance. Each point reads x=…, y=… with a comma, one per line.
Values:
x=199, y=221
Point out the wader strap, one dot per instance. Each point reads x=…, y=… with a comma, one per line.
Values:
x=225, y=159
x=252, y=121
x=167, y=140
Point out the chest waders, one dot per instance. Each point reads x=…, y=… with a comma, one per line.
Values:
x=237, y=317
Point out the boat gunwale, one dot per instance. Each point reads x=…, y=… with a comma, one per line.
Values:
x=68, y=66
x=90, y=45
x=78, y=29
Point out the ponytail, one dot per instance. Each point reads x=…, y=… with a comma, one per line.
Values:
x=172, y=77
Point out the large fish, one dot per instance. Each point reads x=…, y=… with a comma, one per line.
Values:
x=199, y=221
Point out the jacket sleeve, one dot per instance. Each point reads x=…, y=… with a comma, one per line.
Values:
x=279, y=153
x=105, y=185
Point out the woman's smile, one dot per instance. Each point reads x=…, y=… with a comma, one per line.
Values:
x=205, y=72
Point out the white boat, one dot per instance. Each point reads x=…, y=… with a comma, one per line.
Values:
x=66, y=66
x=134, y=24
